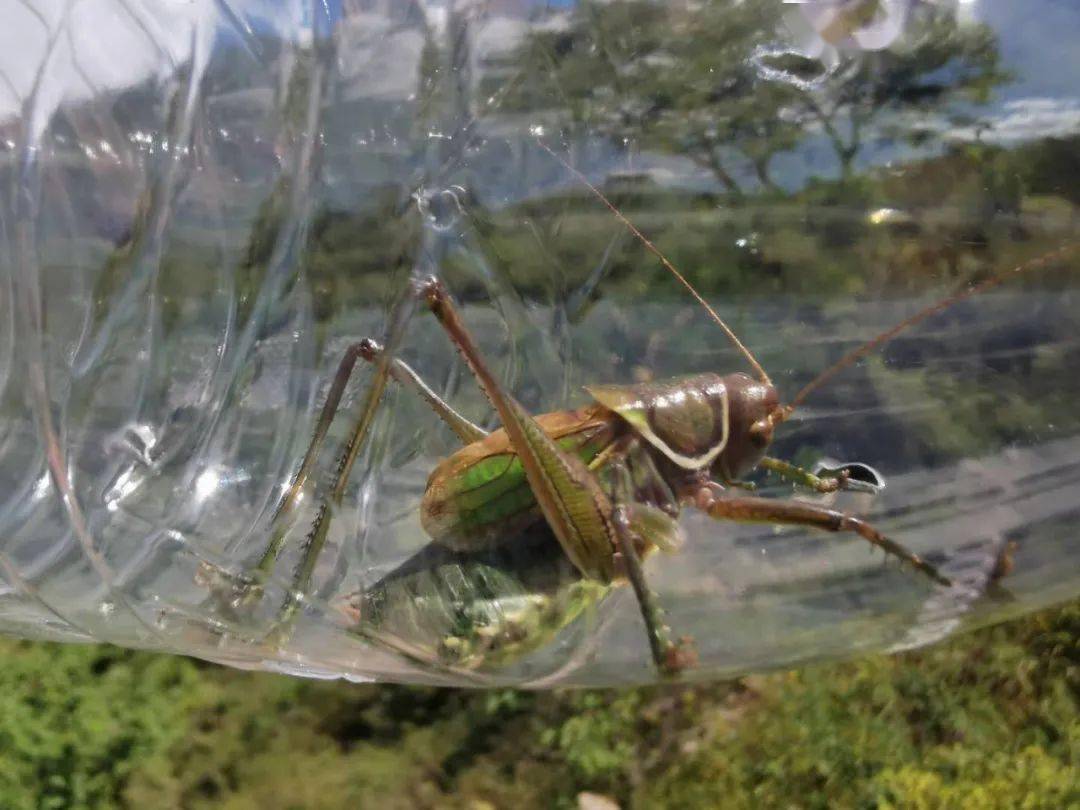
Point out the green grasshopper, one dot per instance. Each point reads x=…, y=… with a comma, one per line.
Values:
x=535, y=522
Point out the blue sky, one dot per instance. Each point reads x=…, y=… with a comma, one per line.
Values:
x=1038, y=40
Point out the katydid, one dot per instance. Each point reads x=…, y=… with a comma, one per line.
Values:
x=532, y=523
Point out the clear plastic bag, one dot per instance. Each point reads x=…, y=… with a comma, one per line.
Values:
x=206, y=204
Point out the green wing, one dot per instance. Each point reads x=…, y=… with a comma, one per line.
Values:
x=480, y=497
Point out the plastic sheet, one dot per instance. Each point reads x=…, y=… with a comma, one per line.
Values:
x=206, y=204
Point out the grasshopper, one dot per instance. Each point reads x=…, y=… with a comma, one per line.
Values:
x=536, y=521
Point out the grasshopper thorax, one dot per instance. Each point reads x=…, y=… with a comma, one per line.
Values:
x=754, y=411
x=699, y=422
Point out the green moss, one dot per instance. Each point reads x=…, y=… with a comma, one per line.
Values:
x=930, y=729
x=988, y=720
x=1028, y=778
x=78, y=725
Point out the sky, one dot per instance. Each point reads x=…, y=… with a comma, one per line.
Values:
x=1038, y=43
x=71, y=49
x=1038, y=40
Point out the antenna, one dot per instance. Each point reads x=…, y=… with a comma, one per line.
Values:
x=861, y=351
x=663, y=260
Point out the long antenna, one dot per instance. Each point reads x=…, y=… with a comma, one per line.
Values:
x=663, y=260
x=858, y=353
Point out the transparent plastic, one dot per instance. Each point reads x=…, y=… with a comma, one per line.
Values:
x=205, y=204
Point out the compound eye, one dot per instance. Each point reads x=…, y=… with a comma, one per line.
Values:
x=761, y=432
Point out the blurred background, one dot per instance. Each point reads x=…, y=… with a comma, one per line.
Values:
x=205, y=203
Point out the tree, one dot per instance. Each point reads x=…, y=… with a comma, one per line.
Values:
x=938, y=67
x=718, y=82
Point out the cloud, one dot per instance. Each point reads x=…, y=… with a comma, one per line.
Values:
x=55, y=52
x=1025, y=119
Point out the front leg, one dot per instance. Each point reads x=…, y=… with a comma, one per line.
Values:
x=764, y=510
x=853, y=477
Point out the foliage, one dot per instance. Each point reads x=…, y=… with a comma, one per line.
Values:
x=986, y=720
x=940, y=68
